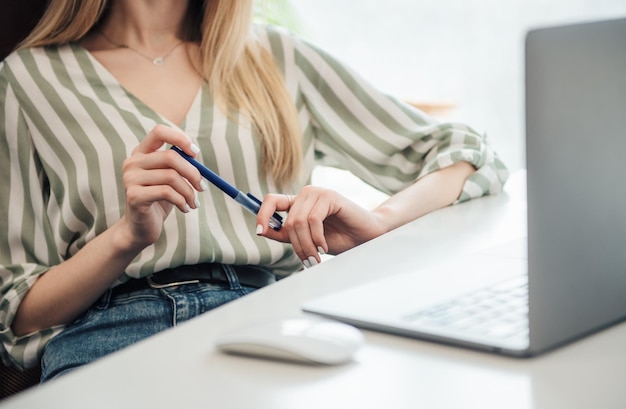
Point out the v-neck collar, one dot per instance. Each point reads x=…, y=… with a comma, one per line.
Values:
x=130, y=101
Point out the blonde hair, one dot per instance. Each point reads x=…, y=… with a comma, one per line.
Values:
x=242, y=74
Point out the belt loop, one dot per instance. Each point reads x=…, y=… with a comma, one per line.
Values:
x=231, y=274
x=104, y=300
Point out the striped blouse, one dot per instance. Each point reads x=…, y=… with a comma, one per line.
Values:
x=66, y=126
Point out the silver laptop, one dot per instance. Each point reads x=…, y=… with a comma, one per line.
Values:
x=569, y=273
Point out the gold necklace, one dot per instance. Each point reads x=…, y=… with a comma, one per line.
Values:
x=158, y=61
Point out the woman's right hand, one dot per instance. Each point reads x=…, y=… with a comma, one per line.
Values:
x=156, y=181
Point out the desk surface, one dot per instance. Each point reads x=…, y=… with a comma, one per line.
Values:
x=180, y=367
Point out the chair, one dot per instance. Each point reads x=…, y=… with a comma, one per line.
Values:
x=13, y=380
x=17, y=18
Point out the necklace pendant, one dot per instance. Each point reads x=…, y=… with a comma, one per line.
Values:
x=158, y=61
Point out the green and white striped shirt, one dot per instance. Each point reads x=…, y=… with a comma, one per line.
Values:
x=66, y=126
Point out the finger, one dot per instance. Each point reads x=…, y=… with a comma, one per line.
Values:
x=306, y=238
x=174, y=161
x=303, y=233
x=316, y=226
x=280, y=202
x=144, y=196
x=161, y=135
x=307, y=223
x=164, y=177
x=290, y=200
x=136, y=164
x=272, y=203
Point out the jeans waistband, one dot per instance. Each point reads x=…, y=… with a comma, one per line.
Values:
x=214, y=273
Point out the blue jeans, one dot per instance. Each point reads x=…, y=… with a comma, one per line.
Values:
x=113, y=323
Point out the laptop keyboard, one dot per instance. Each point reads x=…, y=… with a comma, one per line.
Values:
x=499, y=311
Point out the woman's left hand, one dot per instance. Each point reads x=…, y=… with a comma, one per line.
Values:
x=320, y=221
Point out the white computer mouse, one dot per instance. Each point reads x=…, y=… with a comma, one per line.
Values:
x=302, y=339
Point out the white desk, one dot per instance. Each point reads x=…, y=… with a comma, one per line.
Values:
x=180, y=368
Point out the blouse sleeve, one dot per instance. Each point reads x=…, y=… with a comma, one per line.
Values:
x=26, y=244
x=385, y=142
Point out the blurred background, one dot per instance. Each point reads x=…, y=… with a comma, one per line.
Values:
x=463, y=56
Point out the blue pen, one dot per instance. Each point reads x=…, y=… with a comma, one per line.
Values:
x=251, y=203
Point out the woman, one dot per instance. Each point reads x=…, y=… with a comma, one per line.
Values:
x=108, y=237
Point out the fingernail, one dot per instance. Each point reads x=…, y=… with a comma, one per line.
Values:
x=196, y=202
x=320, y=250
x=259, y=229
x=187, y=208
x=313, y=261
x=306, y=263
x=194, y=148
x=204, y=185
